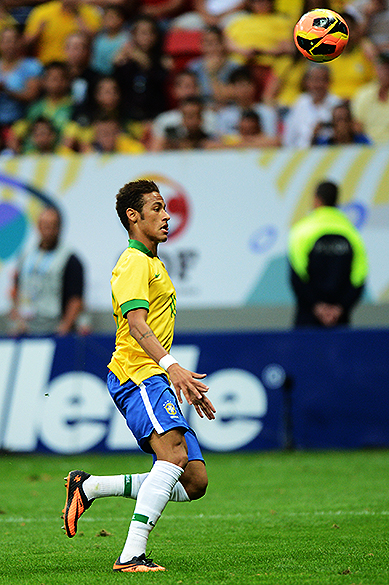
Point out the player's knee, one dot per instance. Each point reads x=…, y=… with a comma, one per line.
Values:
x=197, y=487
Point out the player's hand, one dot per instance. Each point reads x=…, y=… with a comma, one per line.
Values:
x=187, y=383
x=205, y=407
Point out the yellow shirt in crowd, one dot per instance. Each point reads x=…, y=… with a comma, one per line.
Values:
x=372, y=113
x=57, y=24
x=261, y=32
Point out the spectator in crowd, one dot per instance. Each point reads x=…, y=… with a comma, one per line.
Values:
x=328, y=263
x=56, y=105
x=250, y=134
x=263, y=37
x=49, y=25
x=189, y=134
x=213, y=68
x=141, y=71
x=19, y=79
x=370, y=106
x=106, y=104
x=109, y=138
x=185, y=85
x=313, y=107
x=375, y=18
x=355, y=68
x=283, y=89
x=286, y=83
x=342, y=129
x=243, y=93
x=49, y=283
x=107, y=43
x=83, y=78
x=42, y=138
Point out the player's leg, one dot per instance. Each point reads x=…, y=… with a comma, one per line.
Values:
x=154, y=493
x=192, y=484
x=194, y=480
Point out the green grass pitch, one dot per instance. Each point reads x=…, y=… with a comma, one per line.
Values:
x=268, y=518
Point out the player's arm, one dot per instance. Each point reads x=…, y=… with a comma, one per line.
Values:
x=185, y=381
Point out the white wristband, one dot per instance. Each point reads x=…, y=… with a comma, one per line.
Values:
x=166, y=361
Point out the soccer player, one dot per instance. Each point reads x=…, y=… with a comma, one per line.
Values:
x=144, y=303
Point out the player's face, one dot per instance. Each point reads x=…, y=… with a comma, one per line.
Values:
x=153, y=221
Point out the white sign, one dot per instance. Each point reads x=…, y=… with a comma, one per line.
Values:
x=73, y=412
x=231, y=213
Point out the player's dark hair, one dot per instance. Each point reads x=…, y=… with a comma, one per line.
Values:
x=131, y=196
x=327, y=192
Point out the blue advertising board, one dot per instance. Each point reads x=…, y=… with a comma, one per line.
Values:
x=305, y=389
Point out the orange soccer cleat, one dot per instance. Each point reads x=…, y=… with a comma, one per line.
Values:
x=76, y=500
x=137, y=564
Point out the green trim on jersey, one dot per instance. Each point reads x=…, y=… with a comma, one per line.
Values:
x=139, y=246
x=134, y=304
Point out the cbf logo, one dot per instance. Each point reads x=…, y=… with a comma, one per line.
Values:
x=177, y=203
x=171, y=409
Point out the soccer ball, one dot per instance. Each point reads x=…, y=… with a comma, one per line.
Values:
x=321, y=35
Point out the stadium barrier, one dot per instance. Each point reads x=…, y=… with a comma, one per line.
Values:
x=272, y=390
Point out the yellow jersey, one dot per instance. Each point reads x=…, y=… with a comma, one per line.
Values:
x=140, y=280
x=263, y=32
x=57, y=24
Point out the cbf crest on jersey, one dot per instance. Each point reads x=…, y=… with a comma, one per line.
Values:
x=170, y=409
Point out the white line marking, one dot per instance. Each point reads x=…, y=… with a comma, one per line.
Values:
x=174, y=517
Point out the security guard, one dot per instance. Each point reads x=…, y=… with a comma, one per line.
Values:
x=328, y=263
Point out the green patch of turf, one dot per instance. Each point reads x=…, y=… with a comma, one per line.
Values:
x=268, y=518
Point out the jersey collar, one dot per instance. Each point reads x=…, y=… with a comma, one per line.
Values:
x=139, y=246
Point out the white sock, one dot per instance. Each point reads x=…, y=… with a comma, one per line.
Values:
x=153, y=495
x=102, y=486
x=134, y=481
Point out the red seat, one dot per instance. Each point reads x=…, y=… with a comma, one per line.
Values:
x=183, y=45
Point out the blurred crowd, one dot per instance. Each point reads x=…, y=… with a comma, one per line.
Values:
x=130, y=76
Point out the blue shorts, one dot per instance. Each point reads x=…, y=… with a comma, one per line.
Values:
x=151, y=406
